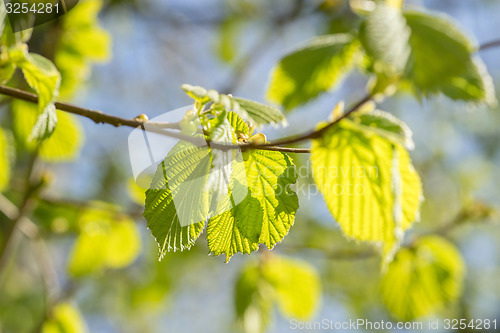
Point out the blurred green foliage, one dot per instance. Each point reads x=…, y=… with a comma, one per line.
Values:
x=81, y=261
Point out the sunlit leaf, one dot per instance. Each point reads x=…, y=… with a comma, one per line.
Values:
x=313, y=69
x=296, y=284
x=253, y=112
x=442, y=61
x=384, y=36
x=423, y=279
x=226, y=46
x=265, y=215
x=64, y=143
x=292, y=285
x=6, y=156
x=135, y=192
x=42, y=75
x=176, y=224
x=82, y=42
x=386, y=125
x=106, y=240
x=253, y=300
x=64, y=318
x=261, y=114
x=368, y=183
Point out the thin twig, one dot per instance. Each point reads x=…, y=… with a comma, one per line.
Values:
x=159, y=127
x=97, y=116
x=489, y=45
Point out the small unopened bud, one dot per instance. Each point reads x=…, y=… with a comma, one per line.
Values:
x=258, y=139
x=142, y=117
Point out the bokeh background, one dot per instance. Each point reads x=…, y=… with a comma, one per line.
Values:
x=231, y=46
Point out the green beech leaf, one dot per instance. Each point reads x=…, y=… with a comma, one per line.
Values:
x=6, y=155
x=64, y=318
x=423, y=279
x=384, y=36
x=368, y=183
x=64, y=143
x=253, y=112
x=313, y=69
x=107, y=240
x=442, y=61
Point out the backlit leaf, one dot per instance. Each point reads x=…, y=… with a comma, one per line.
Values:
x=44, y=78
x=292, y=285
x=313, y=69
x=64, y=318
x=6, y=155
x=176, y=224
x=423, y=279
x=64, y=143
x=253, y=112
x=442, y=61
x=296, y=284
x=106, y=240
x=384, y=36
x=368, y=183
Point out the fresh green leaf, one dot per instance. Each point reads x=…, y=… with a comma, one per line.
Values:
x=423, y=279
x=64, y=318
x=297, y=286
x=45, y=124
x=44, y=78
x=65, y=142
x=176, y=205
x=6, y=72
x=135, y=192
x=261, y=114
x=253, y=112
x=368, y=183
x=226, y=47
x=385, y=124
x=82, y=42
x=106, y=240
x=5, y=158
x=384, y=36
x=313, y=69
x=442, y=61
x=253, y=300
x=245, y=197
x=291, y=284
x=265, y=215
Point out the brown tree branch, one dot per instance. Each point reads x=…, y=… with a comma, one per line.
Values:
x=489, y=45
x=97, y=116
x=160, y=127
